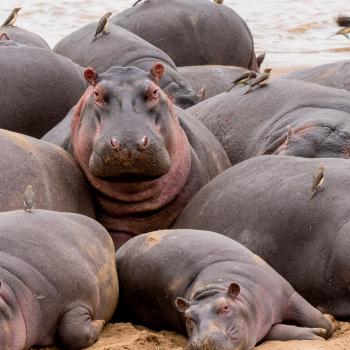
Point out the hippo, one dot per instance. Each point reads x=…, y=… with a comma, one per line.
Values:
x=266, y=204
x=220, y=293
x=23, y=36
x=123, y=48
x=34, y=100
x=335, y=74
x=55, y=176
x=192, y=32
x=214, y=79
x=316, y=117
x=144, y=158
x=58, y=280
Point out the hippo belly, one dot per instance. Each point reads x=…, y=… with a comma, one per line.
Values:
x=58, y=280
x=267, y=204
x=212, y=288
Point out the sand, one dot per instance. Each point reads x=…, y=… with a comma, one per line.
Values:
x=125, y=336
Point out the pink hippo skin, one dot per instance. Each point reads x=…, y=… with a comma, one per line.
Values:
x=144, y=157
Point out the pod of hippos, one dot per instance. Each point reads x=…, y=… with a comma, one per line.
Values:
x=111, y=191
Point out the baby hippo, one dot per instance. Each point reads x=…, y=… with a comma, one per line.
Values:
x=223, y=295
x=58, y=281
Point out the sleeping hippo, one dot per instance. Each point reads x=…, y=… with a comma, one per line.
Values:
x=267, y=204
x=144, y=158
x=192, y=32
x=37, y=87
x=123, y=48
x=58, y=281
x=286, y=117
x=55, y=176
x=335, y=74
x=213, y=288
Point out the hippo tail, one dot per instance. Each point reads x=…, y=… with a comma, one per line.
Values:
x=253, y=64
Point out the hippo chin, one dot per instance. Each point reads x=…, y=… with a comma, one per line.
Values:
x=212, y=288
x=143, y=163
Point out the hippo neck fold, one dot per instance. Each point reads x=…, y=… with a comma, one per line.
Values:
x=144, y=202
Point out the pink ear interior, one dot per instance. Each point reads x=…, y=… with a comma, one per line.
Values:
x=157, y=71
x=182, y=304
x=4, y=37
x=90, y=75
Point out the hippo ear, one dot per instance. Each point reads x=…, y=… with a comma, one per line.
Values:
x=4, y=37
x=157, y=72
x=233, y=290
x=90, y=75
x=201, y=93
x=182, y=304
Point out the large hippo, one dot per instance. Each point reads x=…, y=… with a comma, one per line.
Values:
x=223, y=295
x=37, y=87
x=266, y=204
x=123, y=48
x=213, y=79
x=23, y=36
x=58, y=280
x=316, y=118
x=335, y=74
x=144, y=158
x=192, y=32
x=55, y=176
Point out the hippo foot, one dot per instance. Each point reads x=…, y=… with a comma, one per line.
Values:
x=76, y=330
x=335, y=325
x=287, y=332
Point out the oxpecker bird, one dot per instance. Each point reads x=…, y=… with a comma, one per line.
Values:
x=11, y=19
x=102, y=27
x=343, y=21
x=260, y=59
x=243, y=79
x=219, y=1
x=318, y=180
x=261, y=80
x=138, y=2
x=29, y=199
x=290, y=134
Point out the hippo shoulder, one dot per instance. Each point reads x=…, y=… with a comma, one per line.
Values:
x=206, y=146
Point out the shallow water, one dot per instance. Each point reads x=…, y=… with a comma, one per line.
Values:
x=292, y=33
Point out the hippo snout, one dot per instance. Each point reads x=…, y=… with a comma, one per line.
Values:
x=213, y=341
x=137, y=155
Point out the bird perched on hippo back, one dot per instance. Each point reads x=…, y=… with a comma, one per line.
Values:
x=58, y=280
x=258, y=123
x=344, y=22
x=102, y=27
x=191, y=32
x=144, y=157
x=123, y=48
x=264, y=203
x=12, y=18
x=212, y=288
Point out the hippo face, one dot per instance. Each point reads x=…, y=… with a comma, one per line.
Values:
x=215, y=320
x=128, y=126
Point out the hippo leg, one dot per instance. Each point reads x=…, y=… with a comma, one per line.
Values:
x=287, y=332
x=306, y=315
x=76, y=330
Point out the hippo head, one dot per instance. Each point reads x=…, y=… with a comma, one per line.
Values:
x=215, y=320
x=125, y=128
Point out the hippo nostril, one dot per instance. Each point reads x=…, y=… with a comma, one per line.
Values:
x=114, y=143
x=144, y=142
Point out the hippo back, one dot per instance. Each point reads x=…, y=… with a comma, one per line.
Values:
x=57, y=181
x=192, y=33
x=26, y=37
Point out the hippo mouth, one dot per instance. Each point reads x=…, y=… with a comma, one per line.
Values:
x=128, y=178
